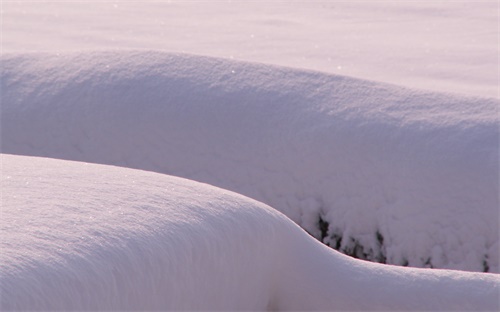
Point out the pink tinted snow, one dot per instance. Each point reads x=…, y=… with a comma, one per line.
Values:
x=420, y=169
x=111, y=238
x=449, y=46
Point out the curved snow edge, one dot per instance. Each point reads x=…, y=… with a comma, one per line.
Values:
x=377, y=171
x=111, y=238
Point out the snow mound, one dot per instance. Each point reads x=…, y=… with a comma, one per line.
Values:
x=376, y=171
x=111, y=238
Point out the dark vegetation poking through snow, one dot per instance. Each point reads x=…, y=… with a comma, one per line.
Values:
x=486, y=266
x=351, y=247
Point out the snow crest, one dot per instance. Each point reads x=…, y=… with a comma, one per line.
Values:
x=376, y=171
x=111, y=238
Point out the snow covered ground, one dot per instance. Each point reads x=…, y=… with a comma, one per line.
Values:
x=449, y=46
x=111, y=238
x=396, y=175
x=405, y=173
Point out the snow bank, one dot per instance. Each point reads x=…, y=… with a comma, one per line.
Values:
x=376, y=171
x=449, y=46
x=111, y=238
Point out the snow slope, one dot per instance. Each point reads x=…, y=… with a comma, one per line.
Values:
x=449, y=46
x=380, y=172
x=110, y=238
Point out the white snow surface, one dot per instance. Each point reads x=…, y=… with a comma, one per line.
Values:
x=400, y=175
x=450, y=46
x=79, y=236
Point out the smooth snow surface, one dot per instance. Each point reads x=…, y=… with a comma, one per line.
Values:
x=399, y=176
x=450, y=46
x=78, y=236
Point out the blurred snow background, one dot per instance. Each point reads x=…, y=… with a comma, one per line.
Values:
x=449, y=46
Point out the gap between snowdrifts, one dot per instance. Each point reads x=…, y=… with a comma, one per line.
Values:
x=377, y=171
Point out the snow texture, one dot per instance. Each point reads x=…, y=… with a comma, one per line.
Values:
x=111, y=238
x=386, y=173
x=449, y=46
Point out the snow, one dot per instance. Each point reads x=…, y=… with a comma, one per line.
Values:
x=401, y=176
x=449, y=46
x=371, y=125
x=112, y=238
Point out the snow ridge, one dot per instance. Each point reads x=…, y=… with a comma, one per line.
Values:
x=111, y=238
x=381, y=172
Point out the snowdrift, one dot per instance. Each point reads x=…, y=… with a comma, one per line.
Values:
x=376, y=171
x=111, y=238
